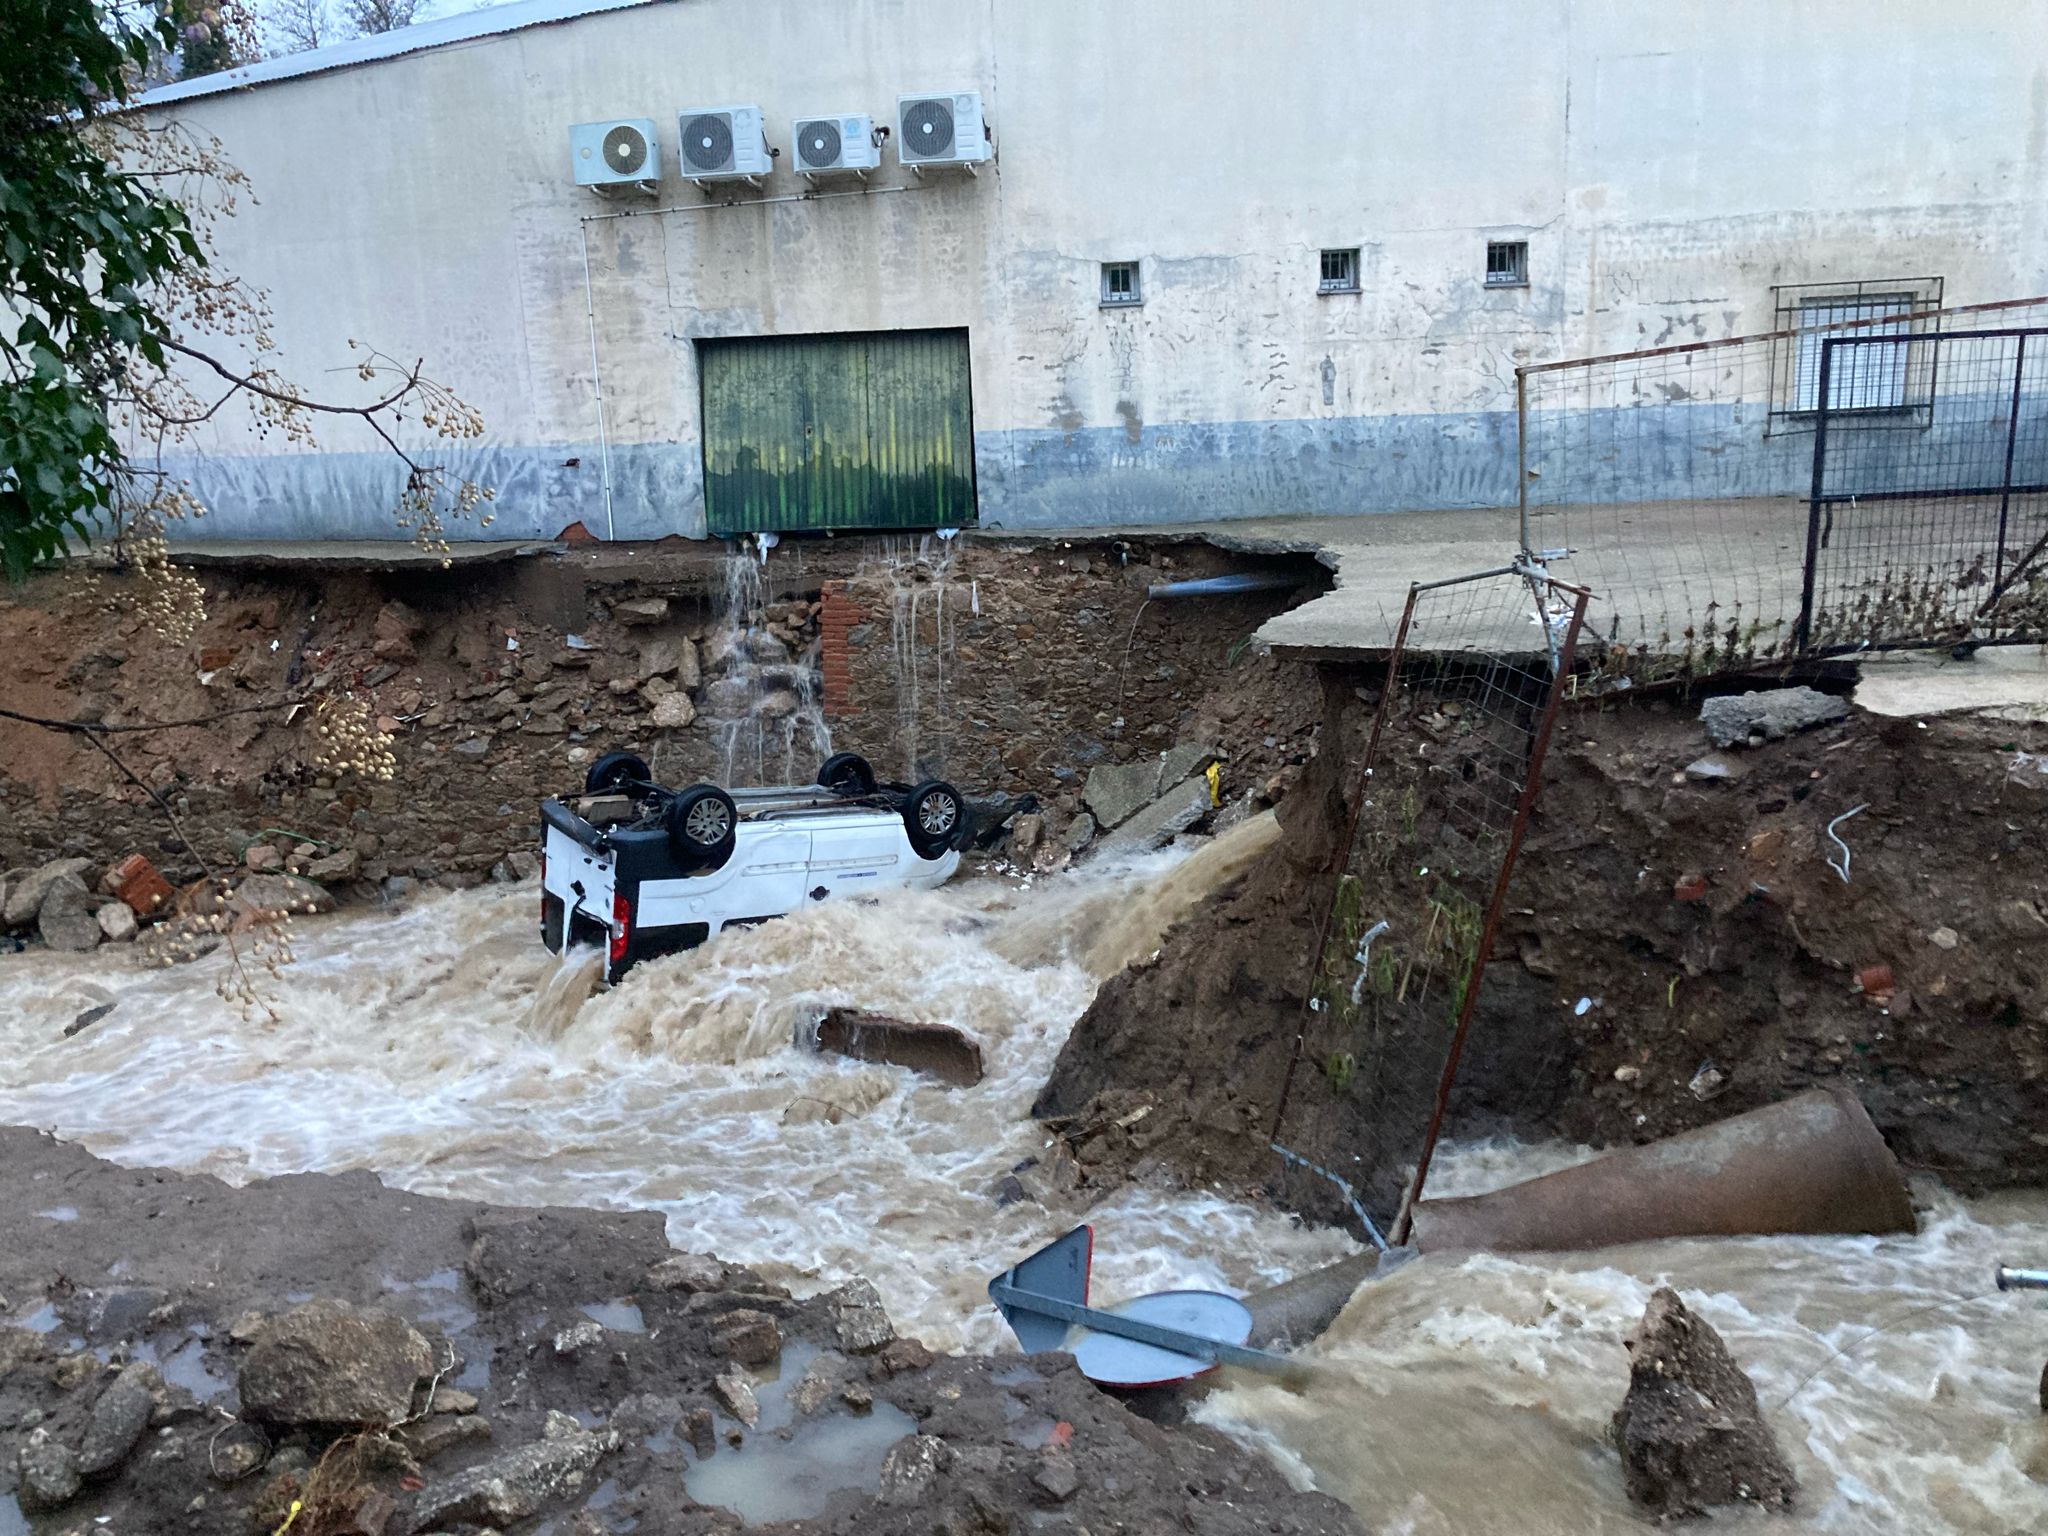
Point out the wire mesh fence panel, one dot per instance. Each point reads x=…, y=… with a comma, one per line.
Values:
x=1936, y=532
x=1677, y=483
x=1450, y=774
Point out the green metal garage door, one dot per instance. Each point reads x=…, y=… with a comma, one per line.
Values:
x=847, y=431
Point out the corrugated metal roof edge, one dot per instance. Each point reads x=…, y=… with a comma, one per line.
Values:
x=470, y=26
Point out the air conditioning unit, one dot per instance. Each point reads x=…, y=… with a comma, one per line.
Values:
x=621, y=152
x=942, y=128
x=723, y=144
x=822, y=146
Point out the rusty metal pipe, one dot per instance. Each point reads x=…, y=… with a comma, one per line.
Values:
x=1811, y=1164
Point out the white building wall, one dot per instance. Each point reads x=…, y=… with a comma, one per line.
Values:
x=1667, y=165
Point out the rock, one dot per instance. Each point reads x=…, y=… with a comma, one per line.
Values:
x=181, y=940
x=737, y=1394
x=674, y=657
x=578, y=1337
x=237, y=1451
x=1056, y=1478
x=25, y=893
x=1117, y=791
x=1080, y=833
x=440, y=1433
x=639, y=611
x=262, y=858
x=87, y=1019
x=69, y=916
x=818, y=1384
x=118, y=1417
x=747, y=1336
x=900, y=1355
x=674, y=711
x=700, y=1430
x=1714, y=767
x=139, y=883
x=328, y=1362
x=1690, y=1433
x=938, y=1050
x=265, y=896
x=48, y=1472
x=1944, y=938
x=910, y=1468
x=858, y=1321
x=513, y=1487
x=336, y=868
x=117, y=922
x=779, y=704
x=691, y=1272
x=1026, y=833
x=1158, y=823
x=452, y=1400
x=1773, y=715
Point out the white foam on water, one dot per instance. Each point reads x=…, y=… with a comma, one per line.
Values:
x=442, y=1047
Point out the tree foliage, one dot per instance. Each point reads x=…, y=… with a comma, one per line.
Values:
x=120, y=335
x=82, y=244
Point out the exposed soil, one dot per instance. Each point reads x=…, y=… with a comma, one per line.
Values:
x=1724, y=965
x=1045, y=665
x=118, y=1264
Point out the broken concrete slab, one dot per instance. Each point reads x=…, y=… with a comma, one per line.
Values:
x=1115, y=792
x=1158, y=823
x=1741, y=719
x=939, y=1050
x=512, y=1487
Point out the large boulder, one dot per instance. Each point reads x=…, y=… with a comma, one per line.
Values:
x=509, y=1488
x=69, y=916
x=1161, y=821
x=269, y=896
x=1115, y=792
x=25, y=893
x=327, y=1362
x=118, y=1419
x=1690, y=1432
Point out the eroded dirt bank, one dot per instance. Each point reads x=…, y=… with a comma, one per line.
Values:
x=1678, y=949
x=579, y=1364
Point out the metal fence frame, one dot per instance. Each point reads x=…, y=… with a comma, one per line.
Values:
x=1561, y=641
x=1821, y=500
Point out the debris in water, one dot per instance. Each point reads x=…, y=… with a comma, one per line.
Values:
x=1690, y=1433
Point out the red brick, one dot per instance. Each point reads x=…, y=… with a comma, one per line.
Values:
x=137, y=882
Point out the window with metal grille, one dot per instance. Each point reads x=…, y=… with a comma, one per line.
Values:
x=1892, y=379
x=1340, y=272
x=1507, y=263
x=1120, y=283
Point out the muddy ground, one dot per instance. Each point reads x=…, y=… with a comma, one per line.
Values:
x=108, y=1266
x=1722, y=962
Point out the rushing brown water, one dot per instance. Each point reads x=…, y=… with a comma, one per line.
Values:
x=443, y=1048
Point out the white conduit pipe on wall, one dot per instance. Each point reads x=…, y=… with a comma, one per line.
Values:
x=604, y=445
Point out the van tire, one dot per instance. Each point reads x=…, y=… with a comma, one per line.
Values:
x=614, y=771
x=846, y=773
x=703, y=824
x=935, y=817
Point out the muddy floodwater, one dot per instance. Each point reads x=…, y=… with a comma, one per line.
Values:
x=441, y=1047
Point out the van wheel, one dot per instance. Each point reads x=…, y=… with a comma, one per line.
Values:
x=933, y=816
x=702, y=823
x=846, y=773
x=614, y=771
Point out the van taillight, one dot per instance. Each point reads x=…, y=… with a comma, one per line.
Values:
x=622, y=919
